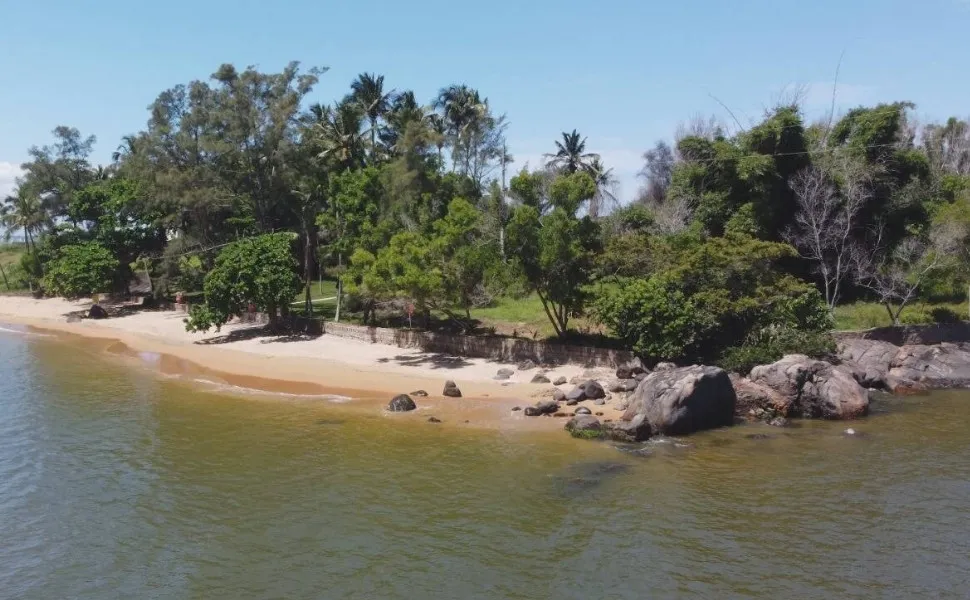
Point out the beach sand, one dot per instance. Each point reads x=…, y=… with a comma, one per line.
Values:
x=370, y=373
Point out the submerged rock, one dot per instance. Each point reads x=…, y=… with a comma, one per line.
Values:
x=401, y=403
x=584, y=426
x=815, y=388
x=684, y=400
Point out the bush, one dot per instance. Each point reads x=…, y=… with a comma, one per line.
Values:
x=769, y=345
x=81, y=270
x=713, y=297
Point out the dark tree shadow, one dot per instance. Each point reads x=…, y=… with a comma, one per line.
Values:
x=434, y=360
x=270, y=336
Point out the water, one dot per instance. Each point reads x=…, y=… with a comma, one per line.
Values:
x=118, y=483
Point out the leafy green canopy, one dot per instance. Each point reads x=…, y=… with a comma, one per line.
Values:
x=260, y=270
x=81, y=270
x=713, y=297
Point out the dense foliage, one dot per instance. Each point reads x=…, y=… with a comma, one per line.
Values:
x=740, y=246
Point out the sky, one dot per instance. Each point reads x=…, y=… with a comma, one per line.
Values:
x=624, y=73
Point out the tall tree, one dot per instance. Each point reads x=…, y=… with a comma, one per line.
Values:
x=571, y=155
x=368, y=91
x=23, y=212
x=58, y=171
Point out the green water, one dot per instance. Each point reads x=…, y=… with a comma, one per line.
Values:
x=118, y=483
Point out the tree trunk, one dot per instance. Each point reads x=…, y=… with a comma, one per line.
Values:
x=5, y=282
x=340, y=288
x=308, y=272
x=893, y=317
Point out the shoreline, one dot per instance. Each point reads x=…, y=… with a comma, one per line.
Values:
x=370, y=374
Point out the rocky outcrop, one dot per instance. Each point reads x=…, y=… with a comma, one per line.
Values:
x=930, y=367
x=451, y=390
x=758, y=402
x=683, y=400
x=546, y=407
x=815, y=388
x=527, y=365
x=401, y=403
x=868, y=360
x=665, y=366
x=584, y=426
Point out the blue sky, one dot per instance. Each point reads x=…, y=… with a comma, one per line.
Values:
x=622, y=72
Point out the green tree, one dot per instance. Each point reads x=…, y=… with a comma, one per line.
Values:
x=368, y=91
x=23, y=212
x=571, y=155
x=260, y=270
x=81, y=270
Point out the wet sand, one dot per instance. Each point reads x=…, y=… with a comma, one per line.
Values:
x=370, y=374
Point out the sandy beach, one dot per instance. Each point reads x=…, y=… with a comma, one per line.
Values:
x=373, y=373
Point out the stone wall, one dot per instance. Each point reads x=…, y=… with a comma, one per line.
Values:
x=491, y=347
x=928, y=335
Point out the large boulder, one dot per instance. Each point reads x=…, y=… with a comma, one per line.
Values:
x=683, y=400
x=546, y=407
x=97, y=312
x=629, y=370
x=594, y=391
x=869, y=360
x=584, y=426
x=757, y=401
x=929, y=367
x=401, y=403
x=451, y=390
x=575, y=395
x=815, y=388
x=636, y=429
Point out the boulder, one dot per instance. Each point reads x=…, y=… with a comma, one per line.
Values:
x=634, y=430
x=559, y=381
x=451, y=390
x=97, y=312
x=540, y=378
x=419, y=394
x=504, y=374
x=623, y=385
x=558, y=395
x=546, y=407
x=930, y=367
x=683, y=400
x=401, y=403
x=756, y=401
x=869, y=360
x=527, y=365
x=584, y=426
x=434, y=420
x=594, y=391
x=599, y=401
x=630, y=369
x=582, y=410
x=575, y=395
x=665, y=366
x=815, y=388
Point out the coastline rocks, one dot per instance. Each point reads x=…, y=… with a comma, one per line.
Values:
x=623, y=385
x=451, y=390
x=869, y=360
x=540, y=378
x=630, y=369
x=401, y=403
x=558, y=395
x=634, y=430
x=559, y=381
x=664, y=366
x=504, y=374
x=683, y=400
x=419, y=394
x=584, y=426
x=582, y=410
x=546, y=407
x=575, y=396
x=923, y=367
x=757, y=401
x=527, y=365
x=815, y=388
x=594, y=391
x=97, y=312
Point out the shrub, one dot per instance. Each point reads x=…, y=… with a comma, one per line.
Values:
x=81, y=270
x=769, y=345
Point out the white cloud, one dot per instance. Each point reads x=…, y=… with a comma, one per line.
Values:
x=9, y=172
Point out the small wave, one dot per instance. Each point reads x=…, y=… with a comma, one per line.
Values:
x=223, y=387
x=18, y=330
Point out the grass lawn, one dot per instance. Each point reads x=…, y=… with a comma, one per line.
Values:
x=524, y=317
x=866, y=315
x=322, y=294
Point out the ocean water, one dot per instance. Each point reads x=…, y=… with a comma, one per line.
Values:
x=117, y=482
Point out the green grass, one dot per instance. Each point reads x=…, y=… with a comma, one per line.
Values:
x=9, y=257
x=866, y=315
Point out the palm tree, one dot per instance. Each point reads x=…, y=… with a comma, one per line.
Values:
x=462, y=108
x=368, y=91
x=404, y=111
x=606, y=184
x=440, y=129
x=571, y=155
x=23, y=212
x=337, y=131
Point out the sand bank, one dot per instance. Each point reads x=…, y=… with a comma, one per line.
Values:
x=320, y=365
